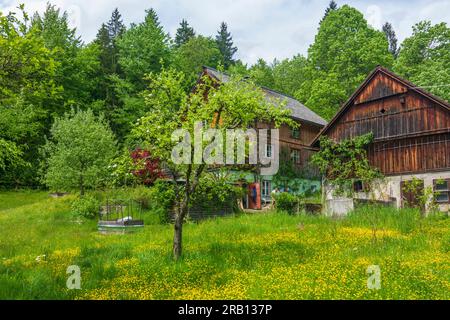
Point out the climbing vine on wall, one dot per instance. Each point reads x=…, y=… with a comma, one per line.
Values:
x=345, y=162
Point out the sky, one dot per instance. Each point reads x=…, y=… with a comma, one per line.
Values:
x=265, y=29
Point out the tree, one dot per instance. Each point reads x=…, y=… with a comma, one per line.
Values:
x=29, y=96
x=391, y=38
x=106, y=93
x=344, y=51
x=142, y=49
x=424, y=58
x=261, y=73
x=106, y=39
x=290, y=74
x=234, y=104
x=76, y=70
x=184, y=33
x=79, y=152
x=331, y=6
x=196, y=52
x=225, y=44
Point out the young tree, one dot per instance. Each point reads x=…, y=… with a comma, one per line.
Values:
x=391, y=38
x=234, y=104
x=424, y=58
x=225, y=44
x=184, y=33
x=79, y=152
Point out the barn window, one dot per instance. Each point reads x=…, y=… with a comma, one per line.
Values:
x=383, y=111
x=295, y=133
x=442, y=190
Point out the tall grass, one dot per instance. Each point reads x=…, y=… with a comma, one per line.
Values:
x=257, y=256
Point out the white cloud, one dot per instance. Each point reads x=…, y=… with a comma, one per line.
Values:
x=261, y=28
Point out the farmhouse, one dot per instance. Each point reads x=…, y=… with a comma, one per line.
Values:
x=295, y=147
x=411, y=129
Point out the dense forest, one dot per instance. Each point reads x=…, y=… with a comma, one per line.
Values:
x=47, y=73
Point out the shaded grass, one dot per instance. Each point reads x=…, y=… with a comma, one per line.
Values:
x=259, y=256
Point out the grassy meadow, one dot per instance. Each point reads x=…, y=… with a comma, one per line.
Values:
x=258, y=256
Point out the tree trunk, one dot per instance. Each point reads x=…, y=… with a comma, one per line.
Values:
x=178, y=232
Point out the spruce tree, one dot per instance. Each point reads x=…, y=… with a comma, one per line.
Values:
x=391, y=37
x=225, y=44
x=331, y=6
x=184, y=33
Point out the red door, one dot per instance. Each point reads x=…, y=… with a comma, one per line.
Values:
x=254, y=196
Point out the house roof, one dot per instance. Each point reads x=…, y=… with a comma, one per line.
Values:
x=379, y=69
x=298, y=110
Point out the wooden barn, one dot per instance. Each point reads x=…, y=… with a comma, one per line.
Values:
x=411, y=130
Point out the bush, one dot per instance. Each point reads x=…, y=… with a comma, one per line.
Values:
x=143, y=195
x=215, y=192
x=87, y=207
x=162, y=199
x=287, y=202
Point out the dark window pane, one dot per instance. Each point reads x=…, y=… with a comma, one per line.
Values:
x=442, y=197
x=441, y=185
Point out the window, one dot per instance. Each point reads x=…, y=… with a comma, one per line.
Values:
x=266, y=189
x=295, y=133
x=295, y=156
x=441, y=190
x=358, y=186
x=268, y=151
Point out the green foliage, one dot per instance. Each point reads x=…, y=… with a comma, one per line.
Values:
x=10, y=155
x=77, y=64
x=214, y=191
x=342, y=163
x=344, y=51
x=261, y=74
x=425, y=198
x=163, y=199
x=424, y=58
x=28, y=67
x=87, y=207
x=287, y=202
x=196, y=52
x=79, y=152
x=142, y=48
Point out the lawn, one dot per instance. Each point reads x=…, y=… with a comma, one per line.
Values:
x=259, y=256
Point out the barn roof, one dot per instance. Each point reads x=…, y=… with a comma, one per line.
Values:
x=298, y=110
x=379, y=69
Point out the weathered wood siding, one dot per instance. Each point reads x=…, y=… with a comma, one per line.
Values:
x=411, y=131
